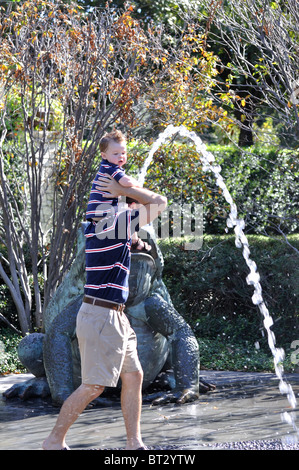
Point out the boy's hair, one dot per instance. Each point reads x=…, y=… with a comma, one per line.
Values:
x=114, y=136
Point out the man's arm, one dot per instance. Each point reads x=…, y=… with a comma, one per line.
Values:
x=128, y=182
x=152, y=204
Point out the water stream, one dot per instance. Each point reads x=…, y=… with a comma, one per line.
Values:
x=241, y=241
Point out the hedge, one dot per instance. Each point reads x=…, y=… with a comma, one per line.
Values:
x=208, y=288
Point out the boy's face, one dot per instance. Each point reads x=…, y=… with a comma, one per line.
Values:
x=116, y=153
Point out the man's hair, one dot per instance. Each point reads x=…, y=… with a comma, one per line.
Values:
x=130, y=200
x=114, y=136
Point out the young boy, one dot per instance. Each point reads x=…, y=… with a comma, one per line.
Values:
x=113, y=149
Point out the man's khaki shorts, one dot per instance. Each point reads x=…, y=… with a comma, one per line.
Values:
x=107, y=343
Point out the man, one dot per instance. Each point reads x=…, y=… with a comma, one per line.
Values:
x=107, y=343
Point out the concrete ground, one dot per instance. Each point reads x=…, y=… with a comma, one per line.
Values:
x=245, y=407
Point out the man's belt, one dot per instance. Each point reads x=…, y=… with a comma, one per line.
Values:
x=103, y=303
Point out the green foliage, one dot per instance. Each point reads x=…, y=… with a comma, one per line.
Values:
x=263, y=183
x=19, y=109
x=217, y=354
x=7, y=307
x=9, y=361
x=166, y=11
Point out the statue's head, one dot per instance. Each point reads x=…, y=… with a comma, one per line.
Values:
x=145, y=268
x=142, y=272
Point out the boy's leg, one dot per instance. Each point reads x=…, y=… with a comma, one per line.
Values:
x=70, y=410
x=131, y=401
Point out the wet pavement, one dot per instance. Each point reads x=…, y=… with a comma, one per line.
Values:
x=245, y=407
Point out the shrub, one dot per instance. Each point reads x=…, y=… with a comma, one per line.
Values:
x=9, y=361
x=263, y=183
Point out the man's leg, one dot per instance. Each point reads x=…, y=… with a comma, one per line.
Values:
x=71, y=409
x=131, y=401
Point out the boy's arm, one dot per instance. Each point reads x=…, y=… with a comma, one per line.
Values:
x=152, y=204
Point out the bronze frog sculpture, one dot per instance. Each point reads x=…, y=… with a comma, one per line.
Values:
x=165, y=340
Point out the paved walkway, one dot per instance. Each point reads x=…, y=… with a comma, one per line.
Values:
x=244, y=407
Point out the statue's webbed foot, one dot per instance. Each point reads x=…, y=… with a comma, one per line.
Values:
x=176, y=396
x=180, y=397
x=36, y=387
x=205, y=387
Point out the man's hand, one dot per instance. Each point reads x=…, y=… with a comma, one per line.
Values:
x=109, y=185
x=152, y=204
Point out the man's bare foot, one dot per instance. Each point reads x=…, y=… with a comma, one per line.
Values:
x=50, y=444
x=135, y=444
